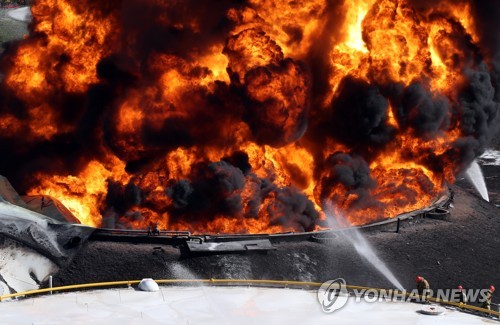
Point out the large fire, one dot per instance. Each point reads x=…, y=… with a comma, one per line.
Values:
x=246, y=116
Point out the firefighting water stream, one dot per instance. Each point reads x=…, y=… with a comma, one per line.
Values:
x=362, y=246
x=474, y=175
x=243, y=116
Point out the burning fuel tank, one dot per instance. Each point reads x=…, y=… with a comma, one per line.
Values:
x=232, y=126
x=234, y=119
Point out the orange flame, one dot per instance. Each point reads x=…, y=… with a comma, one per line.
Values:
x=265, y=56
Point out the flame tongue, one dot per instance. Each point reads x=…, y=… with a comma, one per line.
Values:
x=245, y=118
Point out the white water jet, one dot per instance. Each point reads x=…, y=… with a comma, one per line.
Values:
x=475, y=176
x=362, y=246
x=179, y=271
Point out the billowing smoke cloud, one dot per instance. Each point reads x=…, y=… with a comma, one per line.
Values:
x=480, y=116
x=219, y=189
x=214, y=189
x=423, y=112
x=277, y=90
x=347, y=178
x=359, y=115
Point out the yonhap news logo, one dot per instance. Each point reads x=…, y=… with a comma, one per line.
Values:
x=333, y=295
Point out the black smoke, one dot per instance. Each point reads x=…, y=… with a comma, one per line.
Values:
x=358, y=115
x=425, y=113
x=281, y=100
x=350, y=174
x=216, y=189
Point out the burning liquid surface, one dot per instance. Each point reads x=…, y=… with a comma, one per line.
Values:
x=242, y=118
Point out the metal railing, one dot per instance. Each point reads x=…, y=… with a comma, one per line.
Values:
x=279, y=283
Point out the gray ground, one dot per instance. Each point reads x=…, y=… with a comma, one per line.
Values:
x=10, y=29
